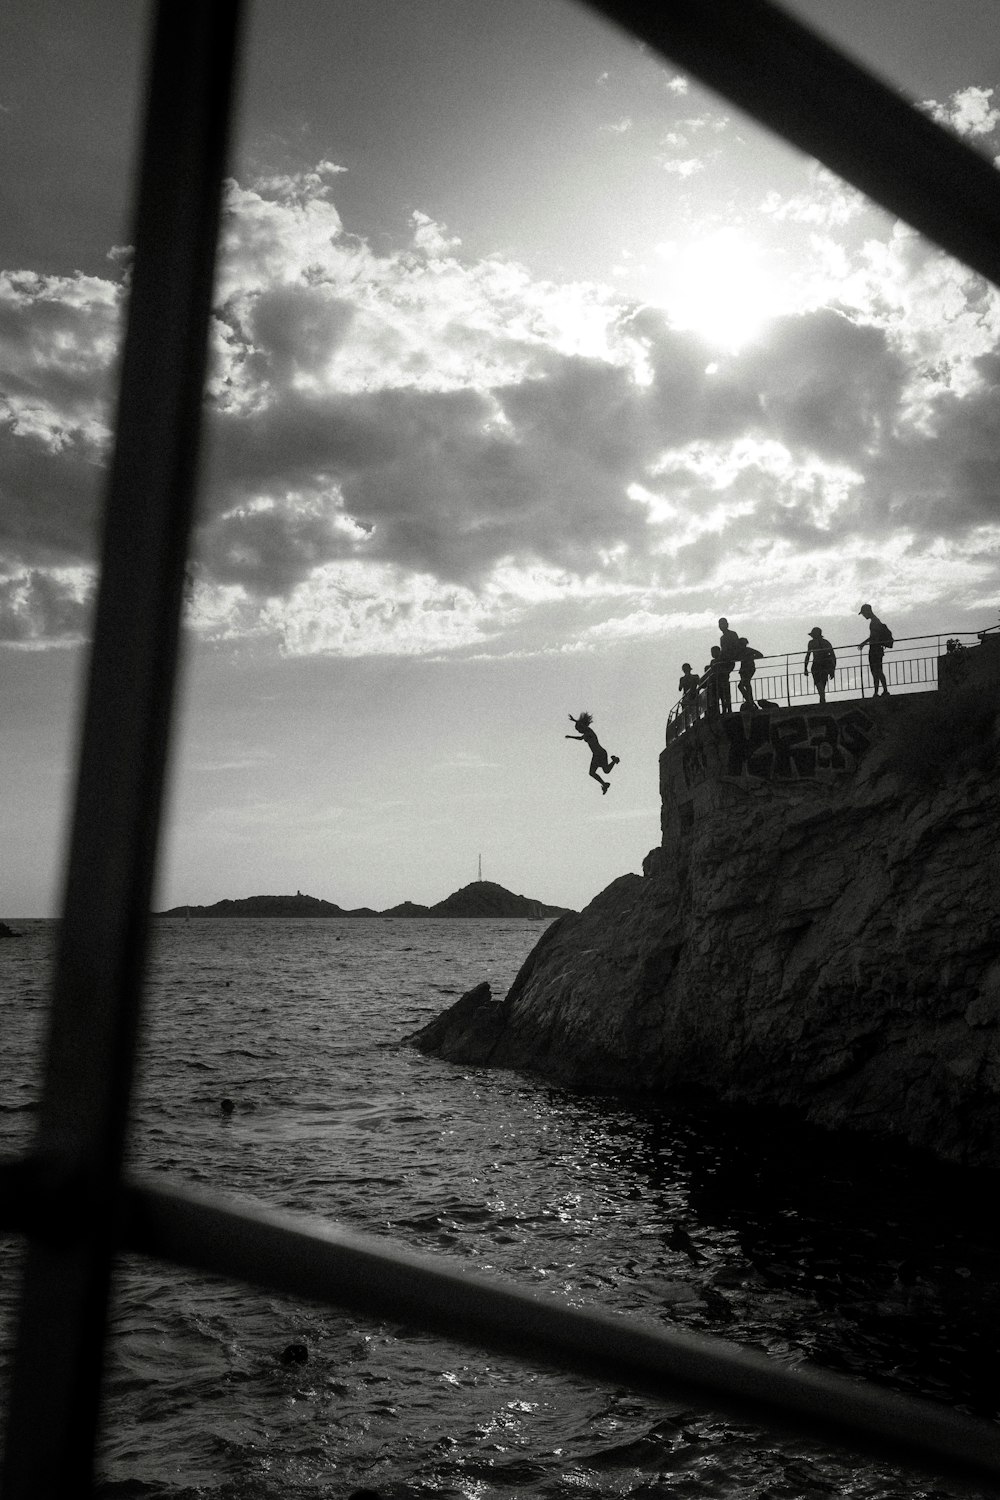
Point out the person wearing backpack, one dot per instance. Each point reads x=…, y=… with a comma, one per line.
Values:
x=824, y=661
x=879, y=639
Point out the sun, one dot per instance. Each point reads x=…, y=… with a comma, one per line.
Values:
x=720, y=286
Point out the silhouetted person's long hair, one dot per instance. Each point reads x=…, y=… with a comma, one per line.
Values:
x=599, y=758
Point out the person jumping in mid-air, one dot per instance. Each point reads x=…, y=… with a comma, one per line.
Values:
x=599, y=759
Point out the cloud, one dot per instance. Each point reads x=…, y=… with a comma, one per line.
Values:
x=57, y=337
x=826, y=201
x=351, y=610
x=248, y=760
x=968, y=111
x=827, y=384
x=943, y=477
x=419, y=451
x=38, y=607
x=682, y=166
x=682, y=159
x=464, y=760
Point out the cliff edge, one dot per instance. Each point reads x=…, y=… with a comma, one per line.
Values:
x=817, y=930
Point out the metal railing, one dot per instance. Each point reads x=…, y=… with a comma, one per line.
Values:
x=779, y=680
x=70, y=1199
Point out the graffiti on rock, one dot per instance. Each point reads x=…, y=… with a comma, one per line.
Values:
x=694, y=761
x=796, y=747
x=781, y=747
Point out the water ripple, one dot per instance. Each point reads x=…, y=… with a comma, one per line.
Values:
x=785, y=1241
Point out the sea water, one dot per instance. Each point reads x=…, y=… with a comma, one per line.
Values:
x=873, y=1263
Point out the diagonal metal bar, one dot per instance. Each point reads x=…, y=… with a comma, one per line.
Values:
x=307, y=1258
x=96, y=998
x=800, y=86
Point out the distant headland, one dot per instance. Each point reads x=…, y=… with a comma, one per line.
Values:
x=483, y=898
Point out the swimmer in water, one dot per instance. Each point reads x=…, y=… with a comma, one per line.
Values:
x=599, y=758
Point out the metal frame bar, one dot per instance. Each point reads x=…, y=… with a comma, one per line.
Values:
x=803, y=88
x=72, y=1202
x=95, y=1012
x=309, y=1258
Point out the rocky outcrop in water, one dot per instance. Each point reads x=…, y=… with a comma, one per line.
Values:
x=483, y=898
x=267, y=906
x=818, y=930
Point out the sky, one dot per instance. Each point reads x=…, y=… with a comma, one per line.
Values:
x=530, y=358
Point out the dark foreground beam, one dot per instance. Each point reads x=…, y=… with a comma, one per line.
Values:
x=307, y=1258
x=94, y=1017
x=803, y=88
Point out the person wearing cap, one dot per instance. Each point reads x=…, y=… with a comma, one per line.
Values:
x=879, y=636
x=824, y=661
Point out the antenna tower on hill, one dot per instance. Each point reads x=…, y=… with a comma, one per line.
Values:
x=480, y=867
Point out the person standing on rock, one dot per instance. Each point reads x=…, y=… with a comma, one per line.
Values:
x=599, y=758
x=688, y=689
x=716, y=683
x=729, y=643
x=729, y=653
x=708, y=685
x=879, y=637
x=747, y=659
x=824, y=661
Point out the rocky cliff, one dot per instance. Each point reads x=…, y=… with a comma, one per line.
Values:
x=818, y=930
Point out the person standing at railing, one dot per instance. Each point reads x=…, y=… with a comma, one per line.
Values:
x=824, y=661
x=729, y=643
x=879, y=637
x=747, y=659
x=688, y=689
x=716, y=684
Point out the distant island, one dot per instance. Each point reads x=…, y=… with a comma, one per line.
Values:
x=483, y=898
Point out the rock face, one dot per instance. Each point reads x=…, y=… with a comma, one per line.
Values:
x=818, y=930
x=467, y=1031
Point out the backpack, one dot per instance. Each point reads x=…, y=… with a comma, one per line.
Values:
x=882, y=636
